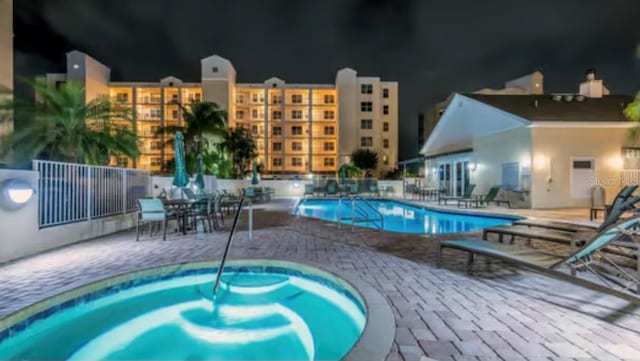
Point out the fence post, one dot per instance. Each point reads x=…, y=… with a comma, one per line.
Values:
x=124, y=190
x=89, y=192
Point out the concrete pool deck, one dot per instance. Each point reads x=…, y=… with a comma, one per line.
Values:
x=492, y=312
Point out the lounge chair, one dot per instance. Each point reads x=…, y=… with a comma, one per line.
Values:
x=151, y=210
x=308, y=190
x=487, y=199
x=332, y=189
x=467, y=194
x=250, y=192
x=559, y=236
x=549, y=264
x=373, y=189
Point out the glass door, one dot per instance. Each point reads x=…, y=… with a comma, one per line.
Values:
x=461, y=177
x=444, y=177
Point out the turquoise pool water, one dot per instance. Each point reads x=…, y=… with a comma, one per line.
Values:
x=270, y=314
x=398, y=217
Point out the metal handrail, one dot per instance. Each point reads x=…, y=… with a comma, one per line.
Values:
x=228, y=246
x=374, y=209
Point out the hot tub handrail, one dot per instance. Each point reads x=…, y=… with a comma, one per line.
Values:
x=228, y=246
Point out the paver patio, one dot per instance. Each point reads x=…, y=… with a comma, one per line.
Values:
x=493, y=312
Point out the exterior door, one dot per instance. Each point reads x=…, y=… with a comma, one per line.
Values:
x=583, y=173
x=444, y=176
x=461, y=177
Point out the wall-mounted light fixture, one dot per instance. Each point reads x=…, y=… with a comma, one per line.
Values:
x=14, y=193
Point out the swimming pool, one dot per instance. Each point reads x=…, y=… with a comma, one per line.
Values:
x=398, y=216
x=272, y=312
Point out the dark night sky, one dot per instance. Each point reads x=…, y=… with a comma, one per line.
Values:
x=430, y=47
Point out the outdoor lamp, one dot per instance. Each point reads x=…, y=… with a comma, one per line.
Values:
x=14, y=193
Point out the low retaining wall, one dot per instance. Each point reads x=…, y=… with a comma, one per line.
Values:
x=20, y=235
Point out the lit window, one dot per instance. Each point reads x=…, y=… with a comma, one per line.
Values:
x=329, y=99
x=240, y=114
x=329, y=114
x=366, y=141
x=329, y=146
x=366, y=106
x=329, y=130
x=276, y=162
x=366, y=89
x=240, y=99
x=122, y=162
x=276, y=99
x=296, y=162
x=296, y=98
x=366, y=124
x=254, y=129
x=385, y=126
x=329, y=162
x=296, y=146
x=296, y=114
x=155, y=161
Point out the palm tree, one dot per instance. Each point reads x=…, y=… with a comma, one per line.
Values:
x=242, y=147
x=365, y=159
x=62, y=126
x=204, y=123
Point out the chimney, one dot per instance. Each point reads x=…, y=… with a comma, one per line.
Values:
x=590, y=87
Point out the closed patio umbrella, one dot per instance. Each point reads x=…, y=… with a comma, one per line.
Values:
x=180, y=178
x=254, y=173
x=199, y=169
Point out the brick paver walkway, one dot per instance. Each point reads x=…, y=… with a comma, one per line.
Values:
x=494, y=312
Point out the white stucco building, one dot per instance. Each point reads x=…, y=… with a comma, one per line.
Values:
x=545, y=150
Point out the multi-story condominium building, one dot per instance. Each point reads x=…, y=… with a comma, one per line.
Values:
x=6, y=54
x=299, y=128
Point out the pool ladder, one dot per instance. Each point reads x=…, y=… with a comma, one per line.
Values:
x=243, y=201
x=356, y=208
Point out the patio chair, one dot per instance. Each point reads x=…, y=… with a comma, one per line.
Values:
x=250, y=193
x=468, y=193
x=214, y=210
x=582, y=259
x=308, y=190
x=486, y=199
x=620, y=198
x=353, y=189
x=151, y=210
x=332, y=189
x=373, y=189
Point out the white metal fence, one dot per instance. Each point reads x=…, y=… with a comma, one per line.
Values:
x=72, y=192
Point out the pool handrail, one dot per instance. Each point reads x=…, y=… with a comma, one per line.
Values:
x=354, y=207
x=228, y=246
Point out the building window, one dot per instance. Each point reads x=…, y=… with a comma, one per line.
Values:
x=366, y=124
x=329, y=114
x=254, y=129
x=257, y=98
x=276, y=162
x=276, y=146
x=155, y=161
x=277, y=131
x=240, y=98
x=122, y=97
x=276, y=115
x=366, y=88
x=296, y=114
x=385, y=109
x=366, y=106
x=385, y=160
x=296, y=98
x=366, y=141
x=329, y=130
x=197, y=97
x=122, y=162
x=155, y=145
x=296, y=162
x=296, y=130
x=329, y=162
x=296, y=146
x=329, y=99
x=385, y=126
x=276, y=99
x=385, y=92
x=240, y=114
x=214, y=69
x=385, y=143
x=174, y=98
x=174, y=114
x=329, y=146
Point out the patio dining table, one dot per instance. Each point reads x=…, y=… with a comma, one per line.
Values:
x=182, y=207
